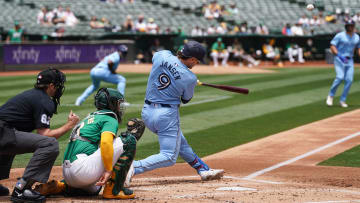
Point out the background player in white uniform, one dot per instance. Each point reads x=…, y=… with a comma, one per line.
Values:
x=342, y=46
x=170, y=83
x=106, y=71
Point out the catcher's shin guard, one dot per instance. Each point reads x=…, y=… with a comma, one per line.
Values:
x=114, y=188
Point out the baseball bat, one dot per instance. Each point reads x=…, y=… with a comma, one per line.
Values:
x=226, y=88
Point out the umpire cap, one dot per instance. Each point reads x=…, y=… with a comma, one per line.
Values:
x=194, y=49
x=51, y=75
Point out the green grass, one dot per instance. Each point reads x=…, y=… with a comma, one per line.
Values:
x=277, y=102
x=349, y=158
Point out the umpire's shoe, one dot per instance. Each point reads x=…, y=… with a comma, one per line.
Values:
x=26, y=195
x=3, y=191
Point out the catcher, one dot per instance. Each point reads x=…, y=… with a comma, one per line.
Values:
x=95, y=156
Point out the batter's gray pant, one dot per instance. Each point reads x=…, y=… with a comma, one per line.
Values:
x=45, y=150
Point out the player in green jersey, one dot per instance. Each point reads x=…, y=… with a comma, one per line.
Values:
x=95, y=156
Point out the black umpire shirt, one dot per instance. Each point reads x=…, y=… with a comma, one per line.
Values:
x=28, y=111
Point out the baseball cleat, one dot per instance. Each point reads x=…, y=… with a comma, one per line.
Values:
x=129, y=175
x=26, y=195
x=343, y=104
x=52, y=187
x=329, y=100
x=77, y=102
x=4, y=191
x=211, y=174
x=123, y=194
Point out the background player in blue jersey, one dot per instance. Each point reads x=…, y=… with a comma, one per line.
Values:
x=170, y=83
x=342, y=46
x=105, y=70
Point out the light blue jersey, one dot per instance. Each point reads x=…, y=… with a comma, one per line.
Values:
x=345, y=43
x=114, y=57
x=169, y=80
x=100, y=73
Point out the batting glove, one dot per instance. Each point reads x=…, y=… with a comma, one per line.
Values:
x=342, y=59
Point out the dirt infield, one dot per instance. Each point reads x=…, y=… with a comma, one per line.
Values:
x=278, y=168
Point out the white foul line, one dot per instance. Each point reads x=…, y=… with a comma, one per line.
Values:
x=261, y=172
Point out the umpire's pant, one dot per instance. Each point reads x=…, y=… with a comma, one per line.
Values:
x=45, y=150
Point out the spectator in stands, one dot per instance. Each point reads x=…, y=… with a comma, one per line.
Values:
x=44, y=17
x=233, y=10
x=196, y=31
x=294, y=50
x=287, y=30
x=140, y=24
x=261, y=29
x=15, y=35
x=244, y=28
x=314, y=21
x=211, y=30
x=240, y=55
x=297, y=30
x=58, y=32
x=95, y=23
x=330, y=18
x=221, y=29
x=272, y=53
x=152, y=27
x=106, y=24
x=304, y=21
x=128, y=25
x=309, y=50
x=321, y=18
x=70, y=18
x=218, y=50
x=207, y=12
x=58, y=16
x=356, y=18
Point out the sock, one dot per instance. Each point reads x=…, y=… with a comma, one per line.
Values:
x=199, y=165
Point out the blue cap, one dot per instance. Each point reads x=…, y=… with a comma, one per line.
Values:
x=349, y=22
x=122, y=48
x=194, y=49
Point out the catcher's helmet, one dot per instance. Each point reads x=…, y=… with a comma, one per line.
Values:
x=110, y=99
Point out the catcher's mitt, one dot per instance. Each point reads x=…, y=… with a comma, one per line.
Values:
x=136, y=127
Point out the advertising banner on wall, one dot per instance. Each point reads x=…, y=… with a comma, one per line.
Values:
x=27, y=54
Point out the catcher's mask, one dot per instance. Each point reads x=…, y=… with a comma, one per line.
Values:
x=110, y=99
x=54, y=76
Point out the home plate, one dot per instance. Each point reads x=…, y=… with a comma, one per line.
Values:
x=236, y=189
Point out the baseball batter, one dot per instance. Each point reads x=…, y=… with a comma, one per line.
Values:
x=342, y=46
x=170, y=83
x=105, y=70
x=95, y=156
